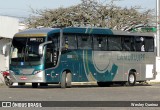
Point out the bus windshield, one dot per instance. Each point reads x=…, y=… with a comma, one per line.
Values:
x=26, y=49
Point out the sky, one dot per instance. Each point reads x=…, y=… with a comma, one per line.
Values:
x=22, y=8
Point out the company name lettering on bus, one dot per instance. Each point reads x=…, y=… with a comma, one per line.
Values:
x=131, y=57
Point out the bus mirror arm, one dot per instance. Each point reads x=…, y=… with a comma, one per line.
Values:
x=5, y=48
x=41, y=47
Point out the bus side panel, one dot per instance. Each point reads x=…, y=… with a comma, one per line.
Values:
x=149, y=68
x=137, y=61
x=72, y=60
x=98, y=66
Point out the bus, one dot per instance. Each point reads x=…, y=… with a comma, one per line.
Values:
x=45, y=56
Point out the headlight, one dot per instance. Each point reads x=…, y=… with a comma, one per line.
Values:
x=38, y=71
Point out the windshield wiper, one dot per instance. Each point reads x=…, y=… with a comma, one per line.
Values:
x=27, y=54
x=22, y=54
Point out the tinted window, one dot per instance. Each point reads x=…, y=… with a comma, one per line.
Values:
x=139, y=43
x=128, y=43
x=26, y=49
x=84, y=42
x=55, y=41
x=149, y=44
x=51, y=55
x=114, y=43
x=100, y=43
x=71, y=41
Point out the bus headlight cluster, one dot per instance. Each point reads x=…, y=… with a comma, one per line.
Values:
x=38, y=71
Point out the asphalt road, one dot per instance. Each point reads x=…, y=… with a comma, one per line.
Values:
x=147, y=92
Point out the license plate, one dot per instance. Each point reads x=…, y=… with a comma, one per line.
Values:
x=23, y=78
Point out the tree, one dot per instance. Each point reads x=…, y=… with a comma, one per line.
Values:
x=93, y=14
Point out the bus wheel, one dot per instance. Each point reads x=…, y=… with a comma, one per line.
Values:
x=69, y=80
x=123, y=83
x=131, y=79
x=34, y=85
x=8, y=82
x=66, y=80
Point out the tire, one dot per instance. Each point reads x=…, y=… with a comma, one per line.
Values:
x=8, y=82
x=69, y=80
x=66, y=80
x=123, y=83
x=34, y=85
x=131, y=79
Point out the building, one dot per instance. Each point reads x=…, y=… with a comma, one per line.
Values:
x=8, y=27
x=22, y=26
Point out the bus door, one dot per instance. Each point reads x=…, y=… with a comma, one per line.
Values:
x=70, y=57
x=52, y=52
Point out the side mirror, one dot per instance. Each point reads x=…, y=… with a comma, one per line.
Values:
x=41, y=47
x=6, y=48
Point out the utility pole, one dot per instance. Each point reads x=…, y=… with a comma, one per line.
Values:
x=158, y=28
x=158, y=41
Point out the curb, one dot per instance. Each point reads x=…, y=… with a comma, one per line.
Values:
x=84, y=83
x=153, y=82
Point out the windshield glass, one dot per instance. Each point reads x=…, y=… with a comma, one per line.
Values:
x=26, y=49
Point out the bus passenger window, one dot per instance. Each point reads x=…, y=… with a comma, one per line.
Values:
x=84, y=42
x=140, y=46
x=70, y=42
x=128, y=43
x=100, y=43
x=65, y=43
x=149, y=44
x=114, y=43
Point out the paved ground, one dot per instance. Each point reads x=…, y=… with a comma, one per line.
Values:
x=83, y=93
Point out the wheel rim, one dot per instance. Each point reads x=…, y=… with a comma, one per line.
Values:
x=131, y=78
x=8, y=82
x=66, y=79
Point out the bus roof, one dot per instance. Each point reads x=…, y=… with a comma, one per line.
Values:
x=37, y=32
x=42, y=32
x=102, y=31
x=85, y=30
x=117, y=32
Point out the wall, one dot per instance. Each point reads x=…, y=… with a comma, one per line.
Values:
x=8, y=26
x=4, y=64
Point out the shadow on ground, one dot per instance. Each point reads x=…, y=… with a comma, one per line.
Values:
x=75, y=86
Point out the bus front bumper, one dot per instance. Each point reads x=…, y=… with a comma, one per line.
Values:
x=25, y=78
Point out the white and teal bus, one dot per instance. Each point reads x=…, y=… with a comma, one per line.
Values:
x=54, y=55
